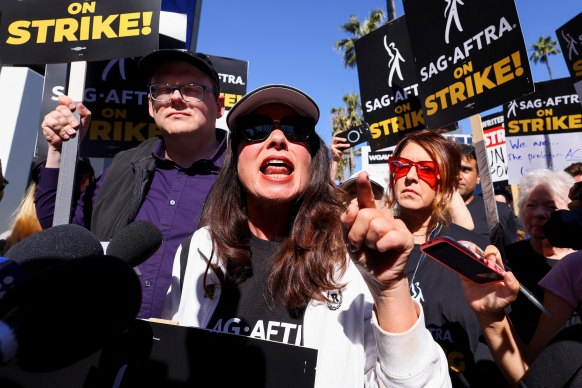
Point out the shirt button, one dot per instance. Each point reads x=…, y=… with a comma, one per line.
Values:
x=172, y=202
x=148, y=283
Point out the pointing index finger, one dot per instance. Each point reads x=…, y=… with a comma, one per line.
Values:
x=365, y=193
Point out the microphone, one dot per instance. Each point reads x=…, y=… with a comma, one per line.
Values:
x=54, y=245
x=10, y=274
x=564, y=228
x=136, y=242
x=60, y=315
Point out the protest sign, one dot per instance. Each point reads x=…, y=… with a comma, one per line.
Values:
x=494, y=136
x=376, y=162
x=570, y=38
x=469, y=56
x=232, y=76
x=543, y=129
x=56, y=31
x=388, y=85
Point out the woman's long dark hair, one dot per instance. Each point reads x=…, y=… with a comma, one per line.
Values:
x=312, y=256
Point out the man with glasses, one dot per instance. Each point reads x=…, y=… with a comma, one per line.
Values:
x=165, y=179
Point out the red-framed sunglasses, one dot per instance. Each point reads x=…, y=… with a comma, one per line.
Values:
x=426, y=170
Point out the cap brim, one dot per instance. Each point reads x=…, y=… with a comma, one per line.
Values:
x=298, y=100
x=151, y=62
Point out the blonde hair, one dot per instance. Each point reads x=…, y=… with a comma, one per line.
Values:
x=24, y=220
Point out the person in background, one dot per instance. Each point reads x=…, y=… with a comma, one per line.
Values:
x=337, y=146
x=424, y=171
x=85, y=174
x=272, y=261
x=503, y=195
x=165, y=179
x=575, y=170
x=24, y=220
x=469, y=178
x=541, y=192
x=379, y=187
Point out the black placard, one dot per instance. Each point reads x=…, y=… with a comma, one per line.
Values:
x=388, y=85
x=232, y=75
x=570, y=38
x=553, y=108
x=152, y=354
x=469, y=55
x=56, y=31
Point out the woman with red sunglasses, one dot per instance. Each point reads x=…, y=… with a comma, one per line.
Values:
x=424, y=172
x=273, y=260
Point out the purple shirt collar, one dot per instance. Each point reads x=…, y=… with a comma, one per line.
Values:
x=159, y=151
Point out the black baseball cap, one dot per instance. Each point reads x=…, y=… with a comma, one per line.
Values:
x=151, y=62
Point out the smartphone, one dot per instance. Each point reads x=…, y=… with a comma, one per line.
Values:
x=463, y=261
x=356, y=135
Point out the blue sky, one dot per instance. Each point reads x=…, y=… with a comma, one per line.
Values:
x=291, y=42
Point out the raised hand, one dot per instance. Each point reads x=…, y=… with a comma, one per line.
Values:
x=380, y=246
x=338, y=144
x=60, y=124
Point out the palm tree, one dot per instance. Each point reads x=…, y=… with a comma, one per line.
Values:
x=542, y=48
x=343, y=119
x=357, y=30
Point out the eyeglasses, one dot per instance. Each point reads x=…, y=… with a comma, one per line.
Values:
x=257, y=128
x=426, y=170
x=3, y=184
x=190, y=92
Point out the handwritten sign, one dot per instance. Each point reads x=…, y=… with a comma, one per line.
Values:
x=57, y=31
x=528, y=153
x=469, y=55
x=494, y=137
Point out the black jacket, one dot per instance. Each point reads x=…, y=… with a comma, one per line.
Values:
x=124, y=189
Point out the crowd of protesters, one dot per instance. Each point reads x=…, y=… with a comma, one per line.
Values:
x=255, y=232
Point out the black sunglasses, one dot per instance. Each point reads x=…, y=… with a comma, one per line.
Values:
x=256, y=128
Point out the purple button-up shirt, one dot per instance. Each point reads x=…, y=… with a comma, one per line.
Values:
x=173, y=203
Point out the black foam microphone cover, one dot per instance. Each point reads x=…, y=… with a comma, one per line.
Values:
x=54, y=245
x=70, y=310
x=136, y=242
x=564, y=228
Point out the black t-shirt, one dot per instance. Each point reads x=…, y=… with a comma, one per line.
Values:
x=248, y=309
x=507, y=220
x=529, y=267
x=448, y=316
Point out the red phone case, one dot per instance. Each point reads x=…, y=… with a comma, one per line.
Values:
x=468, y=253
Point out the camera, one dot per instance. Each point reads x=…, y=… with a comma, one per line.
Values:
x=356, y=135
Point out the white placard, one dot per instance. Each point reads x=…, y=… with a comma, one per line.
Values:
x=528, y=153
